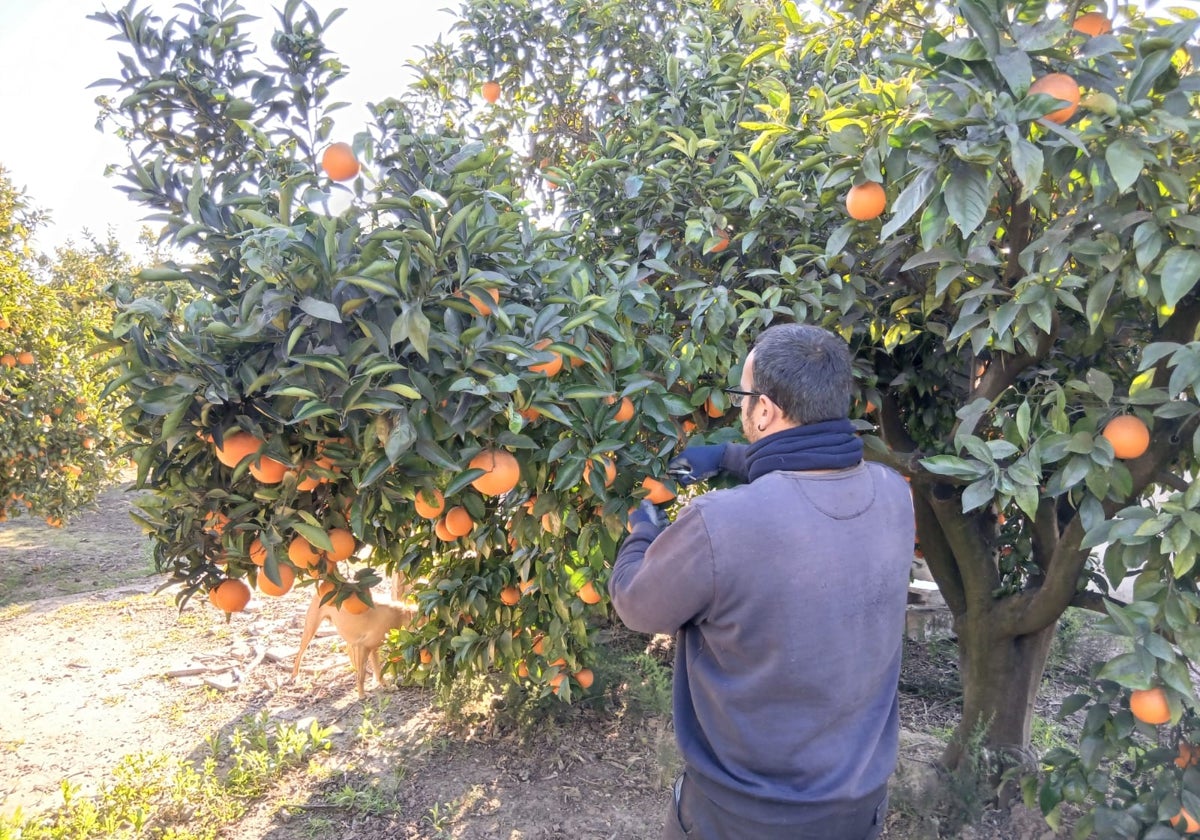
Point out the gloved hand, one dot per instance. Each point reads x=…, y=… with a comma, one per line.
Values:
x=696, y=463
x=648, y=513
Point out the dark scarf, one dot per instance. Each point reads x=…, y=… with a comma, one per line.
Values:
x=828, y=445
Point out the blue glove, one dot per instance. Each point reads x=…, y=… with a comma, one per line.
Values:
x=697, y=463
x=648, y=513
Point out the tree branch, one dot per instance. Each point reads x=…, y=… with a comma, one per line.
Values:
x=939, y=556
x=973, y=556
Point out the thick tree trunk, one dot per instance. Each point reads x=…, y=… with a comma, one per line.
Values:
x=1000, y=680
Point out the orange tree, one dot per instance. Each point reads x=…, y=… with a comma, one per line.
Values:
x=349, y=356
x=1031, y=282
x=1028, y=291
x=57, y=429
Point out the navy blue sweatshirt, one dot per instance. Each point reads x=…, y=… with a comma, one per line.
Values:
x=787, y=597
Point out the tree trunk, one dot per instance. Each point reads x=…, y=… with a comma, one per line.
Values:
x=1001, y=675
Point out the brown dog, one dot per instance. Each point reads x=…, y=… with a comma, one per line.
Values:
x=363, y=633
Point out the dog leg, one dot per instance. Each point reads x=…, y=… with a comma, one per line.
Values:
x=312, y=620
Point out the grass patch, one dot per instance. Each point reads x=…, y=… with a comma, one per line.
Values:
x=180, y=799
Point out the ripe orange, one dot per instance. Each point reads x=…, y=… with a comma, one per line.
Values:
x=550, y=368
x=1149, y=705
x=584, y=677
x=425, y=656
x=491, y=90
x=355, y=605
x=711, y=409
x=610, y=471
x=502, y=472
x=287, y=577
x=230, y=595
x=722, y=242
x=510, y=595
x=1189, y=755
x=89, y=443
x=442, y=532
x=24, y=358
x=458, y=522
x=268, y=470
x=625, y=411
x=539, y=645
x=1060, y=86
x=8, y=360
x=481, y=306
x=522, y=669
x=3, y=323
x=343, y=544
x=1128, y=435
x=866, y=201
x=657, y=492
x=339, y=162
x=257, y=552
x=302, y=554
x=215, y=521
x=1093, y=24
x=1190, y=825
x=588, y=594
x=429, y=503
x=236, y=446
x=309, y=479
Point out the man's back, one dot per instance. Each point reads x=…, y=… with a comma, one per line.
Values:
x=788, y=594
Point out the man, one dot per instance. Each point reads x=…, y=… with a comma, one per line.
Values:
x=787, y=597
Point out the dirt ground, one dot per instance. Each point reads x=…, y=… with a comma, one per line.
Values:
x=98, y=666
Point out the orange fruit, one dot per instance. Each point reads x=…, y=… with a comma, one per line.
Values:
x=8, y=360
x=458, y=522
x=510, y=595
x=24, y=358
x=302, y=554
x=481, y=305
x=539, y=645
x=689, y=426
x=584, y=677
x=343, y=544
x=309, y=480
x=236, y=446
x=286, y=578
x=522, y=669
x=89, y=443
x=257, y=552
x=1060, y=86
x=530, y=414
x=3, y=323
x=588, y=594
x=425, y=656
x=711, y=409
x=657, y=492
x=1190, y=825
x=1189, y=756
x=1128, y=435
x=626, y=410
x=1093, y=24
x=230, y=595
x=442, y=532
x=355, y=605
x=610, y=471
x=501, y=472
x=339, y=162
x=429, y=503
x=550, y=368
x=722, y=242
x=268, y=470
x=866, y=201
x=215, y=521
x=490, y=90
x=1149, y=705
x=526, y=585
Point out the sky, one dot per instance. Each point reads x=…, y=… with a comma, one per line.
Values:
x=50, y=52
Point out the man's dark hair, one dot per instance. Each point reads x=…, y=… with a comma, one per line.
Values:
x=805, y=370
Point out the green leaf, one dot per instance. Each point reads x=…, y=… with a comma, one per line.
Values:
x=980, y=19
x=1028, y=162
x=320, y=309
x=967, y=195
x=910, y=200
x=1179, y=271
x=1124, y=158
x=977, y=495
x=1146, y=74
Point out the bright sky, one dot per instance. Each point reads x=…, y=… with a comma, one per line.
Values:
x=50, y=52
